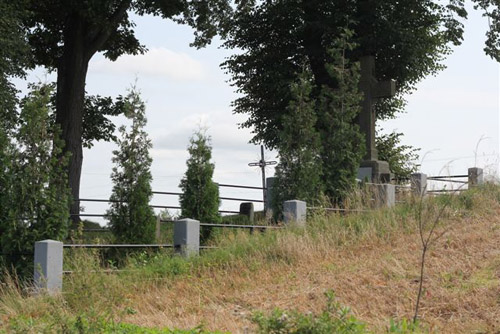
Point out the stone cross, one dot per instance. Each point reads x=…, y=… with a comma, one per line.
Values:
x=372, y=90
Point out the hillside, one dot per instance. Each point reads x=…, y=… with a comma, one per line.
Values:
x=369, y=260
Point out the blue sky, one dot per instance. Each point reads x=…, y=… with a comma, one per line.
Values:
x=184, y=88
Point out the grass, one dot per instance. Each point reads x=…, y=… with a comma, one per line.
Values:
x=369, y=259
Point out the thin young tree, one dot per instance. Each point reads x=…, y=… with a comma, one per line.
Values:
x=35, y=200
x=131, y=219
x=298, y=173
x=200, y=195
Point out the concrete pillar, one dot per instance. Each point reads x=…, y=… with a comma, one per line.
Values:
x=48, y=269
x=419, y=183
x=158, y=228
x=294, y=213
x=475, y=177
x=187, y=237
x=388, y=194
x=269, y=193
x=246, y=209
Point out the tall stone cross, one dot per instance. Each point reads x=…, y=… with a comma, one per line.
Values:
x=372, y=91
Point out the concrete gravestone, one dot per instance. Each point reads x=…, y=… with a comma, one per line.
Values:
x=373, y=90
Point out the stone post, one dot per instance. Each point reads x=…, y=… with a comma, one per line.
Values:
x=294, y=213
x=388, y=195
x=48, y=268
x=187, y=237
x=475, y=176
x=158, y=228
x=246, y=209
x=419, y=183
x=269, y=194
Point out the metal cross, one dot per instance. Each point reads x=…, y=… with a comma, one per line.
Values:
x=262, y=163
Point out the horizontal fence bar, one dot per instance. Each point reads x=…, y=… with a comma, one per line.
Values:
x=338, y=209
x=166, y=193
x=241, y=226
x=118, y=246
x=445, y=190
x=237, y=186
x=96, y=230
x=446, y=176
x=446, y=180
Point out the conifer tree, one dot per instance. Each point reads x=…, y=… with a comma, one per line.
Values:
x=131, y=219
x=35, y=201
x=200, y=195
x=342, y=142
x=298, y=174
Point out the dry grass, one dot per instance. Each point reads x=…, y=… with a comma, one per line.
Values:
x=371, y=261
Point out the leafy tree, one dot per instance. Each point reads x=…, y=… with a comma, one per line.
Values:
x=13, y=58
x=342, y=143
x=409, y=40
x=401, y=158
x=65, y=35
x=131, y=219
x=298, y=173
x=200, y=195
x=35, y=202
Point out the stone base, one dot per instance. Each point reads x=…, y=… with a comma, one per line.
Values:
x=380, y=172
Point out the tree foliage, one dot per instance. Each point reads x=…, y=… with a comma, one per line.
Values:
x=401, y=158
x=131, y=219
x=13, y=57
x=409, y=40
x=200, y=195
x=35, y=199
x=298, y=173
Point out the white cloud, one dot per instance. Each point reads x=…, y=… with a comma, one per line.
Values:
x=156, y=62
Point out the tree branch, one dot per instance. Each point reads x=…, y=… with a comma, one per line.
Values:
x=102, y=36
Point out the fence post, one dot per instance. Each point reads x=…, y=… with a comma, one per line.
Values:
x=269, y=194
x=475, y=176
x=388, y=193
x=294, y=212
x=48, y=266
x=247, y=209
x=419, y=183
x=158, y=228
x=187, y=237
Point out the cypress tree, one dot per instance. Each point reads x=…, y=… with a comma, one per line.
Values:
x=131, y=219
x=200, y=195
x=35, y=200
x=298, y=173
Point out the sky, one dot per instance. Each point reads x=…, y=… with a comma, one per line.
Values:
x=452, y=117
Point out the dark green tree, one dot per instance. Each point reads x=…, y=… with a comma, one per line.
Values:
x=409, y=40
x=299, y=171
x=342, y=145
x=14, y=57
x=65, y=35
x=35, y=202
x=131, y=219
x=200, y=195
x=401, y=158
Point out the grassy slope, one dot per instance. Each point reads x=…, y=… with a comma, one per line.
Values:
x=369, y=260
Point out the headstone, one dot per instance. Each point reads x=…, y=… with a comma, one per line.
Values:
x=476, y=177
x=187, y=237
x=294, y=213
x=372, y=91
x=419, y=183
x=48, y=266
x=246, y=209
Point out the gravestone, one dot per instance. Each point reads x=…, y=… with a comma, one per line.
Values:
x=373, y=90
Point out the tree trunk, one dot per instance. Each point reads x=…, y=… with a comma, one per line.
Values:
x=71, y=75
